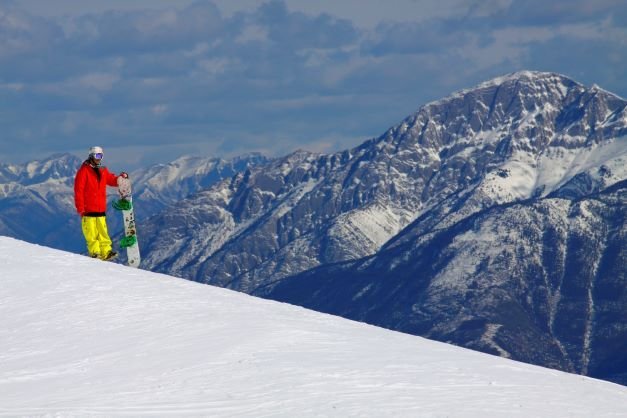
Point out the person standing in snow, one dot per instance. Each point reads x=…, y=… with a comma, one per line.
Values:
x=90, y=198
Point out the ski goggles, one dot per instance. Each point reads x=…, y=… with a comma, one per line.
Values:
x=98, y=155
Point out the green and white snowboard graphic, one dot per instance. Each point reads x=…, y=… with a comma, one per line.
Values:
x=125, y=205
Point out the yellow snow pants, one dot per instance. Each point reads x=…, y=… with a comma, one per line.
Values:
x=96, y=235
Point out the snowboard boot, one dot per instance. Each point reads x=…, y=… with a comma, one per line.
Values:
x=110, y=255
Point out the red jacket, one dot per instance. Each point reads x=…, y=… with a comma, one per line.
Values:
x=90, y=189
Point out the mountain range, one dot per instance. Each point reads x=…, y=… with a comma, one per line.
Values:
x=493, y=218
x=37, y=203
x=514, y=138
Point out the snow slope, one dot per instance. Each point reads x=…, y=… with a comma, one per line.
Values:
x=80, y=337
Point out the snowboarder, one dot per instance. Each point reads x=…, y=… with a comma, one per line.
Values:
x=90, y=198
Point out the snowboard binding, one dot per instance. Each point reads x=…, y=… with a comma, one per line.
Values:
x=128, y=241
x=123, y=204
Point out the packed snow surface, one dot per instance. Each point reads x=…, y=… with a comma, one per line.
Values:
x=82, y=337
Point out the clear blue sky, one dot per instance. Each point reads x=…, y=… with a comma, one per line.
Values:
x=152, y=80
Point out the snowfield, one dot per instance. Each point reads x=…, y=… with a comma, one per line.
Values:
x=82, y=337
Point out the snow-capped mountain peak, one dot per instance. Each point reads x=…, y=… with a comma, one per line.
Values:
x=520, y=135
x=55, y=167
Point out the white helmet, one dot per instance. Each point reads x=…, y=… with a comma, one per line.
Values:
x=94, y=151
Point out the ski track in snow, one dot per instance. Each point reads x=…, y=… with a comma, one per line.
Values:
x=82, y=337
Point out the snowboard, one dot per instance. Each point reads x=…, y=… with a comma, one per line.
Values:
x=125, y=205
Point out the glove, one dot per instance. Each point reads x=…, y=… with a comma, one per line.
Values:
x=123, y=174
